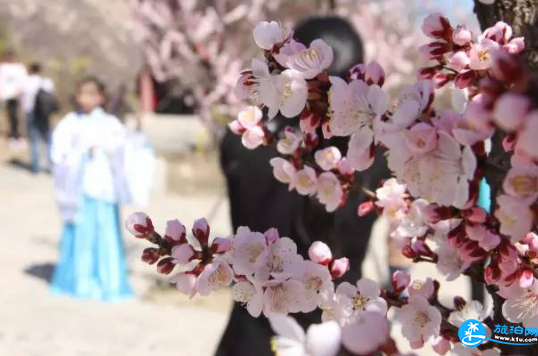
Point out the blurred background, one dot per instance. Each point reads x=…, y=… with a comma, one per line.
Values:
x=170, y=68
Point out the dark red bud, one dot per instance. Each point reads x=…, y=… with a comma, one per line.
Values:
x=150, y=255
x=166, y=265
x=408, y=252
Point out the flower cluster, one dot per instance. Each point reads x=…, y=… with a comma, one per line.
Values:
x=269, y=275
x=438, y=159
x=204, y=265
x=459, y=57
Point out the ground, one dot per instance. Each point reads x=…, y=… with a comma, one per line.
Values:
x=34, y=322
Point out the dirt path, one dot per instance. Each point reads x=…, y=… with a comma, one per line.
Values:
x=33, y=322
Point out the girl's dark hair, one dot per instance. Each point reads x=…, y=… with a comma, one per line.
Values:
x=96, y=81
x=101, y=87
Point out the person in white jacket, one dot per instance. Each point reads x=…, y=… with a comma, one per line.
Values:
x=88, y=151
x=12, y=78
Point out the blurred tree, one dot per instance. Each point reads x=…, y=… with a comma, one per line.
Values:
x=200, y=46
x=73, y=38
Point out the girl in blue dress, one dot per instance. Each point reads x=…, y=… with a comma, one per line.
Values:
x=88, y=154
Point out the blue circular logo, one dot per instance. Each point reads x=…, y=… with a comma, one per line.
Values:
x=472, y=333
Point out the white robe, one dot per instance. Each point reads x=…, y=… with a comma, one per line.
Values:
x=91, y=154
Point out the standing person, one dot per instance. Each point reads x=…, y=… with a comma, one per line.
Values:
x=12, y=78
x=38, y=103
x=88, y=166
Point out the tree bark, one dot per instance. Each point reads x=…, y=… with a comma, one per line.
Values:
x=522, y=15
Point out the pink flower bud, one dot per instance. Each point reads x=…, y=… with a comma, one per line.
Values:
x=309, y=121
x=201, y=230
x=501, y=32
x=221, y=245
x=268, y=34
x=434, y=49
x=175, y=232
x=436, y=26
x=166, y=265
x=150, y=255
x=357, y=72
x=271, y=235
x=365, y=208
x=525, y=278
x=515, y=46
x=528, y=238
x=140, y=225
x=185, y=282
x=339, y=267
x=236, y=127
x=374, y=74
x=441, y=79
x=510, y=111
x=426, y=73
x=400, y=281
x=320, y=253
x=344, y=167
x=461, y=35
x=465, y=78
x=183, y=253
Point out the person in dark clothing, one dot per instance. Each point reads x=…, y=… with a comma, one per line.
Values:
x=38, y=103
x=259, y=201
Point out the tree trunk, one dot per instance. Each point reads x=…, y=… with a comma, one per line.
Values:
x=522, y=15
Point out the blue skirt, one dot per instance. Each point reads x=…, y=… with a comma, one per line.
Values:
x=92, y=259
